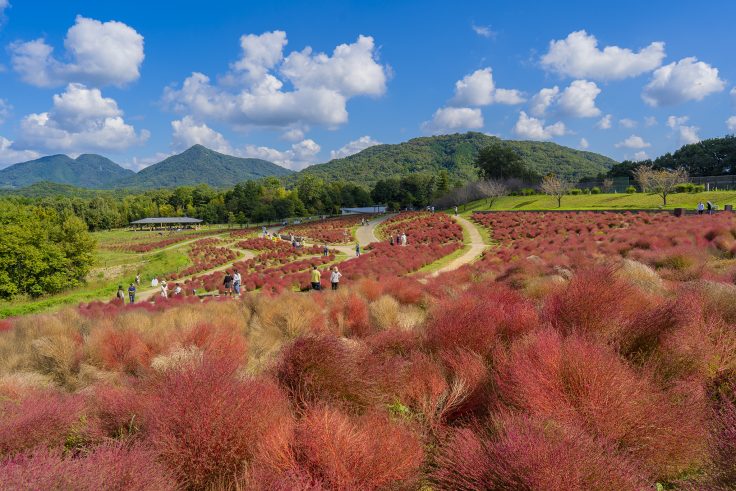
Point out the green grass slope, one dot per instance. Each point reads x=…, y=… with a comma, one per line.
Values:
x=456, y=154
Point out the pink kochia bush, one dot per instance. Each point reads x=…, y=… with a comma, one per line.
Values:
x=209, y=427
x=111, y=466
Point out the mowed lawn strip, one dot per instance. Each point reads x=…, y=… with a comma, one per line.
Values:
x=620, y=201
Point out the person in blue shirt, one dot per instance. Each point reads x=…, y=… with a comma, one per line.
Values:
x=131, y=293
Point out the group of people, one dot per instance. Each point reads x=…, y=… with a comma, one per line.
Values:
x=710, y=207
x=316, y=278
x=162, y=285
x=232, y=282
x=400, y=239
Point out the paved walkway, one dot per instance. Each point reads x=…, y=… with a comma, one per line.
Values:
x=367, y=234
x=477, y=246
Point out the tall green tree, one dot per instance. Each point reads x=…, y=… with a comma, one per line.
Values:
x=499, y=161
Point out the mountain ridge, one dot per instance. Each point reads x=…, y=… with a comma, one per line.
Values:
x=201, y=165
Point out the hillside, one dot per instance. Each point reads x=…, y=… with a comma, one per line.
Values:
x=455, y=153
x=200, y=165
x=87, y=170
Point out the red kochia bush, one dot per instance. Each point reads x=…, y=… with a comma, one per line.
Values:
x=579, y=384
x=531, y=454
x=479, y=319
x=327, y=368
x=366, y=452
x=208, y=427
x=43, y=418
x=106, y=467
x=120, y=349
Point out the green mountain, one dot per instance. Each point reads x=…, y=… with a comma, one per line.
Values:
x=200, y=165
x=87, y=170
x=456, y=153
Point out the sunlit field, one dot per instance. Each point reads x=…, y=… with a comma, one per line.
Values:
x=581, y=350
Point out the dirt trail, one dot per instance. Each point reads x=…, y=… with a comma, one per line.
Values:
x=476, y=247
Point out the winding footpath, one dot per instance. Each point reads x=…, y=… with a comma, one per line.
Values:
x=477, y=246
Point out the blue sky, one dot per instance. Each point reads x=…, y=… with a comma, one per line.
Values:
x=300, y=82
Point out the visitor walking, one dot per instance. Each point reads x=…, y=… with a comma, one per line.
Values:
x=227, y=282
x=236, y=282
x=316, y=279
x=391, y=239
x=154, y=282
x=701, y=208
x=131, y=293
x=164, y=289
x=455, y=210
x=265, y=232
x=177, y=290
x=357, y=249
x=709, y=205
x=138, y=279
x=403, y=238
x=335, y=277
x=325, y=250
x=120, y=295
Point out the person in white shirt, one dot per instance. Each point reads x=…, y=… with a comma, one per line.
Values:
x=335, y=277
x=164, y=290
x=236, y=282
x=177, y=290
x=154, y=282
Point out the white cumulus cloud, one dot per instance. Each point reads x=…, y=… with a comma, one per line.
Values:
x=731, y=123
x=650, y=121
x=639, y=156
x=535, y=129
x=81, y=120
x=479, y=89
x=354, y=147
x=99, y=53
x=578, y=100
x=685, y=133
x=542, y=100
x=627, y=123
x=300, y=154
x=634, y=141
x=10, y=156
x=578, y=56
x=187, y=132
x=682, y=81
x=604, y=123
x=454, y=118
x=583, y=143
x=254, y=94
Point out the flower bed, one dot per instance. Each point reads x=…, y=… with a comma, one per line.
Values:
x=331, y=231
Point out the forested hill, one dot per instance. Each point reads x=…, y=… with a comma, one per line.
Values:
x=456, y=153
x=711, y=157
x=87, y=170
x=200, y=165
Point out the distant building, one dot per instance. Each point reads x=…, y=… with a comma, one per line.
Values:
x=163, y=222
x=367, y=210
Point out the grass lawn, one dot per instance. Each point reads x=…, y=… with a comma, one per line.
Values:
x=620, y=201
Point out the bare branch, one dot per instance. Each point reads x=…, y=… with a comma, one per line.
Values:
x=557, y=187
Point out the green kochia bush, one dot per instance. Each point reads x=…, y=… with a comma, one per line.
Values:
x=630, y=190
